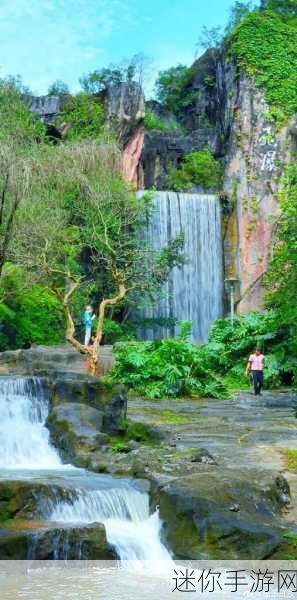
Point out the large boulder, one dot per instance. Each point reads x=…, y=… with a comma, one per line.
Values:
x=76, y=430
x=84, y=542
x=218, y=515
x=28, y=499
x=53, y=542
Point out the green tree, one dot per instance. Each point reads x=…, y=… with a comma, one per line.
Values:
x=84, y=205
x=287, y=8
x=58, y=88
x=171, y=88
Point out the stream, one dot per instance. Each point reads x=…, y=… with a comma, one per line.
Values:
x=121, y=505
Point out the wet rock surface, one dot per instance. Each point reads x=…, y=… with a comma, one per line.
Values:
x=218, y=472
x=46, y=541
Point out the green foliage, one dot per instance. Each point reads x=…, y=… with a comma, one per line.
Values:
x=171, y=367
x=117, y=332
x=58, y=88
x=86, y=115
x=281, y=280
x=265, y=44
x=172, y=88
x=287, y=8
x=29, y=314
x=228, y=349
x=128, y=71
x=197, y=169
x=291, y=457
x=151, y=121
x=17, y=124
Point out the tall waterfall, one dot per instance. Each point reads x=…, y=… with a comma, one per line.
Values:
x=194, y=291
x=24, y=439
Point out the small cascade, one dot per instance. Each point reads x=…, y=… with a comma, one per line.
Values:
x=124, y=511
x=194, y=291
x=74, y=498
x=24, y=439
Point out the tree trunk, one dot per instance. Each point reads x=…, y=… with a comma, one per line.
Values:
x=94, y=362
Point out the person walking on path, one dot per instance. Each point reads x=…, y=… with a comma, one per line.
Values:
x=256, y=364
x=88, y=323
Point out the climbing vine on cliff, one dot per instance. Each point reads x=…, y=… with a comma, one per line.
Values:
x=265, y=45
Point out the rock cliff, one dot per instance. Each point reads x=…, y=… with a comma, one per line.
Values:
x=228, y=114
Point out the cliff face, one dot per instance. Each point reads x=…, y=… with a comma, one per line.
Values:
x=228, y=114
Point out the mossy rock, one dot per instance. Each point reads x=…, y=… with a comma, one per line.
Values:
x=219, y=515
x=76, y=430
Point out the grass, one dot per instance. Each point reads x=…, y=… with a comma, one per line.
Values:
x=291, y=461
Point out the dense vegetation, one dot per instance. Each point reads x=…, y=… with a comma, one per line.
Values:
x=197, y=169
x=265, y=44
x=177, y=367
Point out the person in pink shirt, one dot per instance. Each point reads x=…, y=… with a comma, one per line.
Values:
x=256, y=364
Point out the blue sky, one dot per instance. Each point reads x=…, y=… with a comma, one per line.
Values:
x=45, y=40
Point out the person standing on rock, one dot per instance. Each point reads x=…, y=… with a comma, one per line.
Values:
x=88, y=323
x=256, y=364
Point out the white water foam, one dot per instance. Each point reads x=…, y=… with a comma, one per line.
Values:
x=130, y=529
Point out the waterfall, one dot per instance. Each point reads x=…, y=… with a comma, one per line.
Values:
x=124, y=511
x=194, y=291
x=24, y=439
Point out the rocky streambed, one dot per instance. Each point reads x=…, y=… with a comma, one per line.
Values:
x=216, y=469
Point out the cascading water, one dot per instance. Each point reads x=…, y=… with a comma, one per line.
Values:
x=194, y=291
x=79, y=497
x=124, y=511
x=24, y=439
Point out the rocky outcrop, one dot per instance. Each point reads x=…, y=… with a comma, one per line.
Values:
x=53, y=542
x=254, y=161
x=222, y=516
x=125, y=107
x=131, y=156
x=46, y=107
x=76, y=430
x=42, y=360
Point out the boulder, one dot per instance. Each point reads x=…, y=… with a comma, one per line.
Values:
x=76, y=430
x=25, y=499
x=52, y=542
x=200, y=522
x=85, y=542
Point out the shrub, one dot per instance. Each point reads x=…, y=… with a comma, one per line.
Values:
x=198, y=168
x=152, y=121
x=85, y=114
x=171, y=367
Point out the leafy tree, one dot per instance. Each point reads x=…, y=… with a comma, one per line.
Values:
x=287, y=8
x=238, y=12
x=128, y=71
x=171, y=88
x=58, y=88
x=84, y=205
